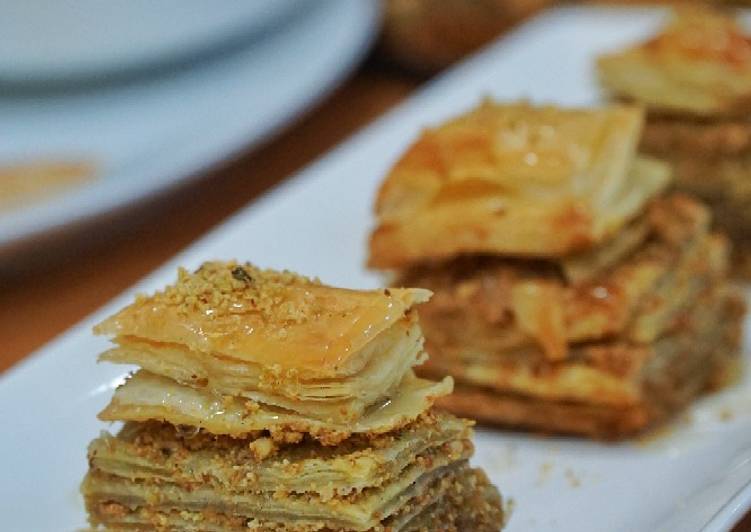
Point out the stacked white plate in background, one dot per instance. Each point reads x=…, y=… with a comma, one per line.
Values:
x=152, y=92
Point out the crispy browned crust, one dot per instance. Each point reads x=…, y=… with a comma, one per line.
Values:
x=514, y=179
x=664, y=393
x=699, y=64
x=286, y=323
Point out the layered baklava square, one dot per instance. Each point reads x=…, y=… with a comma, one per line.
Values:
x=694, y=77
x=601, y=323
x=269, y=401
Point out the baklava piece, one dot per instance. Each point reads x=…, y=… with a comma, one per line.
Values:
x=694, y=77
x=572, y=294
x=268, y=401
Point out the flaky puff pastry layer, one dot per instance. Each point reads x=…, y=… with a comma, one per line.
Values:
x=514, y=179
x=390, y=355
x=699, y=64
x=146, y=397
x=284, y=322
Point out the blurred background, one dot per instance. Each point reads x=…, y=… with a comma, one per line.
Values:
x=128, y=129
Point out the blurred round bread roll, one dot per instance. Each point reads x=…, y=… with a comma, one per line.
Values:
x=427, y=35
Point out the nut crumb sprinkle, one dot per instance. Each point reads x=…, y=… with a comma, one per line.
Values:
x=262, y=448
x=218, y=289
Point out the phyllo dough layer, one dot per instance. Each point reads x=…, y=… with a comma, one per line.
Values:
x=293, y=326
x=158, y=470
x=461, y=501
x=699, y=64
x=515, y=179
x=390, y=355
x=348, y=487
x=146, y=397
x=158, y=452
x=274, y=338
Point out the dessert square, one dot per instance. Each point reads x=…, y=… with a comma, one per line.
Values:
x=268, y=401
x=694, y=78
x=602, y=341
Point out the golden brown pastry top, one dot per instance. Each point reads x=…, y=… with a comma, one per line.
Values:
x=700, y=63
x=514, y=179
x=273, y=318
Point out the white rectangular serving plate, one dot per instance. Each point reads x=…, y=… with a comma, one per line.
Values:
x=692, y=476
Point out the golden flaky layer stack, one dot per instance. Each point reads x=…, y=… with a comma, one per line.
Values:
x=695, y=79
x=572, y=294
x=268, y=401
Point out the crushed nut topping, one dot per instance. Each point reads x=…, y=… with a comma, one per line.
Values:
x=225, y=288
